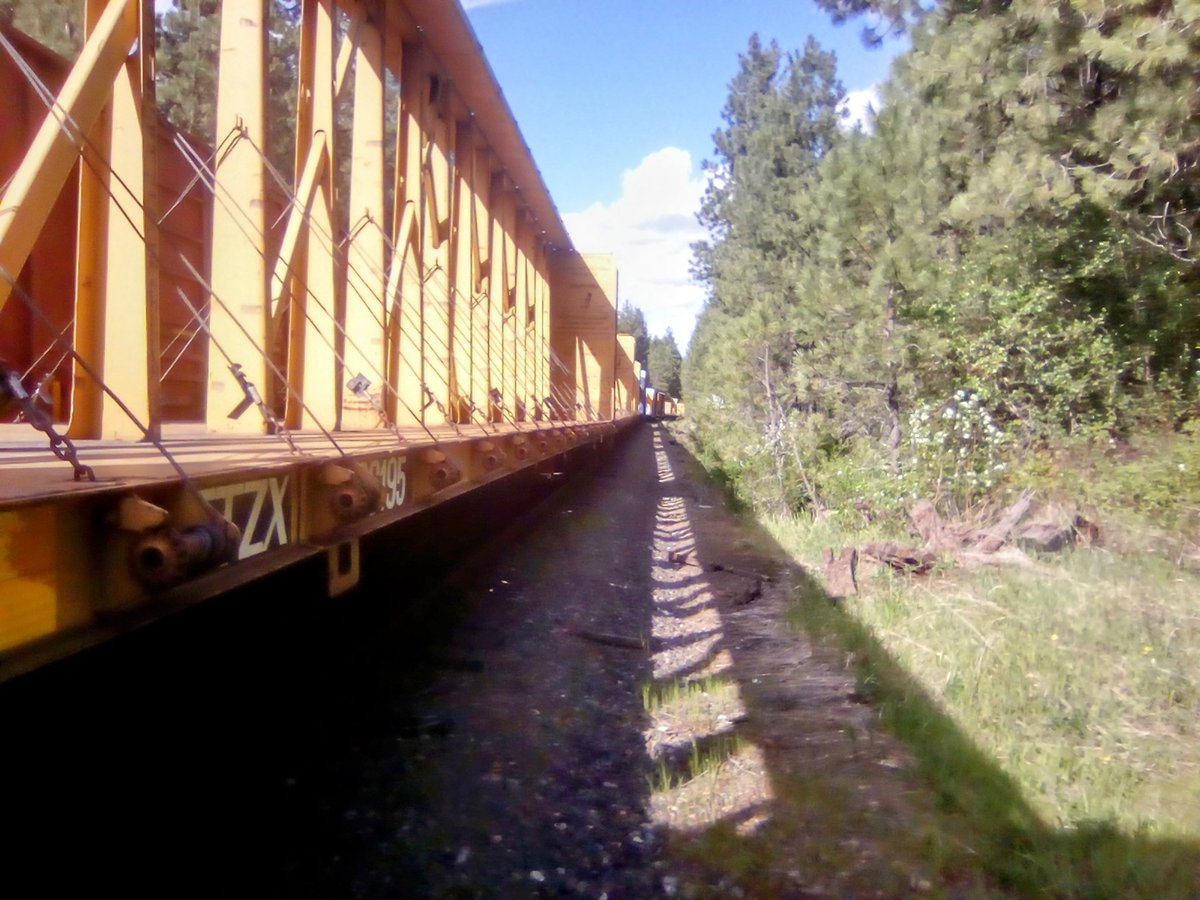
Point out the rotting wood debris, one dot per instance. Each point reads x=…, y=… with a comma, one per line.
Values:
x=1006, y=538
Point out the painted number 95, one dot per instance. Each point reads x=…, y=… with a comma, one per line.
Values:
x=390, y=473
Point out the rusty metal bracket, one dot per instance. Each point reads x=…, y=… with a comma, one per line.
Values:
x=251, y=397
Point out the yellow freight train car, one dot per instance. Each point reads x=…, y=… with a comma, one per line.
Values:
x=212, y=369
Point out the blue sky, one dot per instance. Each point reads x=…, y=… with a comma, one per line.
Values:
x=618, y=101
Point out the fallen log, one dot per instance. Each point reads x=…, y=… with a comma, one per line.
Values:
x=1056, y=528
x=995, y=537
x=912, y=560
x=1006, y=556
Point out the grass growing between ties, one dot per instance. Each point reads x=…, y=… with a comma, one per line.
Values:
x=692, y=727
x=1056, y=710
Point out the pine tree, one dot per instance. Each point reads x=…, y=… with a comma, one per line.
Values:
x=781, y=120
x=57, y=24
x=630, y=320
x=664, y=362
x=187, y=71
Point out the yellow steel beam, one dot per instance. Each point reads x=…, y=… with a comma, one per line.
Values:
x=90, y=263
x=313, y=333
x=541, y=321
x=497, y=290
x=481, y=220
x=411, y=354
x=481, y=177
x=348, y=50
x=238, y=310
x=288, y=261
x=131, y=302
x=34, y=188
x=118, y=220
x=366, y=306
x=508, y=213
x=625, y=383
x=520, y=319
x=305, y=131
x=439, y=339
x=462, y=274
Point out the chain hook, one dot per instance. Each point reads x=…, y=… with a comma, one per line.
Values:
x=12, y=391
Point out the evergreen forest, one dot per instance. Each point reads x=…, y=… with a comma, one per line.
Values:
x=997, y=270
x=985, y=297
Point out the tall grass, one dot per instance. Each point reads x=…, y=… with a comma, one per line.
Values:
x=1077, y=684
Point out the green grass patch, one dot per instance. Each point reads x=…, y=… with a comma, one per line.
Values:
x=681, y=695
x=1057, y=710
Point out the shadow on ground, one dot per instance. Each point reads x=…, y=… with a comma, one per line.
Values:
x=871, y=789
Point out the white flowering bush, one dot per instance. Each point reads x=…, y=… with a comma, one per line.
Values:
x=957, y=448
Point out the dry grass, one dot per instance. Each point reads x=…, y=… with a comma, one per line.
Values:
x=1077, y=682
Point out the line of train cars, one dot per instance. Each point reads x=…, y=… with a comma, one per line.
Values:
x=216, y=365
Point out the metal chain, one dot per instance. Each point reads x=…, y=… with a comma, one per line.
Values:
x=12, y=390
x=432, y=400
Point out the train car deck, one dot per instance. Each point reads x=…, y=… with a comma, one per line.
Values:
x=30, y=473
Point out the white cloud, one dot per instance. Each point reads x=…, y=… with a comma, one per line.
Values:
x=860, y=108
x=650, y=229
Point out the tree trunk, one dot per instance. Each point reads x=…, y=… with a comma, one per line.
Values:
x=893, y=390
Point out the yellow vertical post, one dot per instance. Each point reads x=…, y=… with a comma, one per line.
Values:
x=119, y=313
x=462, y=274
x=409, y=240
x=541, y=320
x=481, y=236
x=436, y=181
x=131, y=314
x=238, y=311
x=366, y=309
x=562, y=345
x=508, y=210
x=520, y=315
x=497, y=292
x=625, y=380
x=317, y=302
x=87, y=400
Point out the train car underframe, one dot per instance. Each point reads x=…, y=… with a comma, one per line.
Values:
x=82, y=564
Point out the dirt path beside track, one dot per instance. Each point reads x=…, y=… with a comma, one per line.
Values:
x=620, y=710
